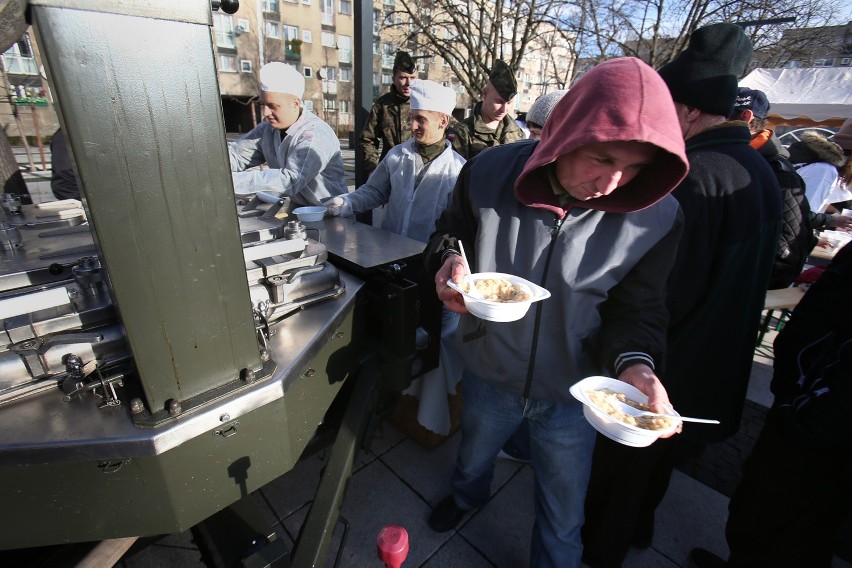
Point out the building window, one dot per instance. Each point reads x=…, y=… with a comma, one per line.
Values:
x=245, y=66
x=243, y=26
x=224, y=26
x=329, y=73
x=377, y=22
x=272, y=30
x=308, y=72
x=345, y=106
x=327, y=12
x=846, y=61
x=227, y=63
x=345, y=74
x=345, y=7
x=307, y=36
x=290, y=32
x=344, y=49
x=387, y=78
x=19, y=59
x=822, y=62
x=270, y=6
x=308, y=2
x=328, y=39
x=308, y=105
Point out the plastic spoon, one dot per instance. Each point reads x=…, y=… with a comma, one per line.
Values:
x=472, y=290
x=633, y=411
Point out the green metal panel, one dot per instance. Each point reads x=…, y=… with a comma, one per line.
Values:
x=139, y=99
x=171, y=492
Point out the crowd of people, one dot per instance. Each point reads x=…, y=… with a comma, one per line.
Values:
x=657, y=207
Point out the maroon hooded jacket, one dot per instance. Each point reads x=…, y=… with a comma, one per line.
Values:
x=605, y=260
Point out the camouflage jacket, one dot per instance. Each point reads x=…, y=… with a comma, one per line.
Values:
x=388, y=123
x=470, y=136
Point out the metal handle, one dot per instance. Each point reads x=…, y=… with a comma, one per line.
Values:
x=231, y=430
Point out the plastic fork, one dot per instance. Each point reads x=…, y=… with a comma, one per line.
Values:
x=472, y=290
x=633, y=411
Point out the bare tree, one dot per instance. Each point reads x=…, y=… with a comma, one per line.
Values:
x=471, y=34
x=658, y=30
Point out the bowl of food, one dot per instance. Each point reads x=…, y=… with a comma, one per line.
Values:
x=309, y=214
x=495, y=296
x=604, y=401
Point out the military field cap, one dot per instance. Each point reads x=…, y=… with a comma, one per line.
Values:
x=503, y=80
x=277, y=77
x=429, y=95
x=753, y=100
x=403, y=62
x=705, y=75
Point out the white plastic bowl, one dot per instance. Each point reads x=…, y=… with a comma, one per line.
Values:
x=500, y=311
x=609, y=426
x=309, y=214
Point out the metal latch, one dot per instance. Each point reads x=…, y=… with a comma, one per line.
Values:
x=75, y=384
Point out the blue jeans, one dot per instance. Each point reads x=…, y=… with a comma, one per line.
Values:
x=561, y=442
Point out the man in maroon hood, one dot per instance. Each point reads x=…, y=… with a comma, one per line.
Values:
x=586, y=214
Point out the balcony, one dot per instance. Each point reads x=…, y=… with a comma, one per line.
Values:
x=327, y=19
x=344, y=55
x=18, y=65
x=329, y=87
x=293, y=50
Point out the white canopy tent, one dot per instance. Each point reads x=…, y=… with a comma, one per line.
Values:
x=821, y=95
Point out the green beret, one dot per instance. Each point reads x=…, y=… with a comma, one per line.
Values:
x=503, y=79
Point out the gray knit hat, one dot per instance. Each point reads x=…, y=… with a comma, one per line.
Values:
x=541, y=108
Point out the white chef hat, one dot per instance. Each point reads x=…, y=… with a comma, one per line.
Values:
x=277, y=77
x=429, y=95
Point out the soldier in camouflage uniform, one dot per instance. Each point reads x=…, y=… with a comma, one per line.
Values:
x=388, y=120
x=490, y=124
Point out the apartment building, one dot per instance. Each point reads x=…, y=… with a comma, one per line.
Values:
x=317, y=37
x=25, y=105
x=827, y=46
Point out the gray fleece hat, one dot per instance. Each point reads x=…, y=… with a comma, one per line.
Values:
x=541, y=108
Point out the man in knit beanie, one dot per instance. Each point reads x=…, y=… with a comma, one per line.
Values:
x=540, y=110
x=716, y=289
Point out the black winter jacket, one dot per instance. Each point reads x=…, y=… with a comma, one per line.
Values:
x=732, y=208
x=812, y=382
x=797, y=237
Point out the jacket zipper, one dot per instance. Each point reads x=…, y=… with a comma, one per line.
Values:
x=554, y=232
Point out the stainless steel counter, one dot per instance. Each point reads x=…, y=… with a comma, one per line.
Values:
x=44, y=429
